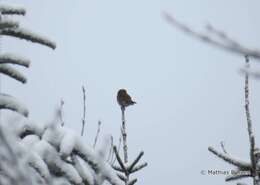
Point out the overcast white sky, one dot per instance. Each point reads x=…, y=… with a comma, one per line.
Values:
x=189, y=94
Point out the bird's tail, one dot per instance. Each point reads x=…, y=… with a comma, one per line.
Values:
x=133, y=102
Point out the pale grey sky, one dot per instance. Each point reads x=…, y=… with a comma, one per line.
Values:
x=189, y=94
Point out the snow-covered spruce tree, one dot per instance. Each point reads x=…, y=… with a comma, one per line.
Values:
x=243, y=169
x=41, y=154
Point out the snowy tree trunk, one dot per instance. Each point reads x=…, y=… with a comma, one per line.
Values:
x=124, y=134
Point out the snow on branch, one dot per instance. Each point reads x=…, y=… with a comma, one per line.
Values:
x=226, y=157
x=27, y=35
x=12, y=10
x=217, y=38
x=245, y=169
x=13, y=170
x=238, y=175
x=8, y=24
x=12, y=59
x=9, y=102
x=13, y=73
x=55, y=154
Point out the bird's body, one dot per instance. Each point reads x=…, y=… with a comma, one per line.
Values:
x=124, y=99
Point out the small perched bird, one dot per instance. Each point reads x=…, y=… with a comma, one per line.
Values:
x=124, y=99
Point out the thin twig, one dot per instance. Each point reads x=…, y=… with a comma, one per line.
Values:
x=222, y=42
x=110, y=154
x=61, y=112
x=84, y=111
x=97, y=134
x=222, y=144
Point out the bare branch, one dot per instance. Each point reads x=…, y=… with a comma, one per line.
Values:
x=223, y=147
x=84, y=111
x=223, y=41
x=97, y=134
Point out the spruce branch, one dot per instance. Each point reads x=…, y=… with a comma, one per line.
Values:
x=120, y=160
x=238, y=163
x=27, y=35
x=113, y=159
x=132, y=182
x=117, y=168
x=122, y=177
x=8, y=24
x=12, y=59
x=139, y=167
x=13, y=73
x=238, y=175
x=137, y=159
x=11, y=10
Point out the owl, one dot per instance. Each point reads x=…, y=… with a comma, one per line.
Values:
x=124, y=99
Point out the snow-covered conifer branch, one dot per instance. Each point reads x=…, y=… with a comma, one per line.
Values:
x=12, y=59
x=139, y=167
x=8, y=24
x=239, y=163
x=238, y=175
x=221, y=41
x=117, y=168
x=12, y=10
x=13, y=170
x=132, y=182
x=13, y=73
x=9, y=102
x=27, y=35
x=137, y=159
x=120, y=160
